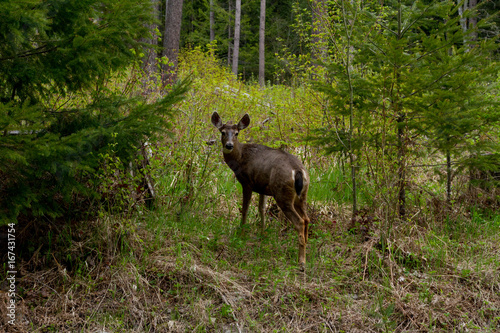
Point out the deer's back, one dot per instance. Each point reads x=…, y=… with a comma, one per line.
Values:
x=265, y=169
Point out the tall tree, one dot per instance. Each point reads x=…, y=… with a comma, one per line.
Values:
x=149, y=61
x=236, y=45
x=229, y=38
x=262, y=44
x=468, y=19
x=196, y=24
x=400, y=112
x=171, y=38
x=346, y=93
x=212, y=21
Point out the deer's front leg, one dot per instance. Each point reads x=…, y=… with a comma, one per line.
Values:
x=247, y=197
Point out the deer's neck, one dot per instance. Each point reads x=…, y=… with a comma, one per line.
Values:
x=233, y=158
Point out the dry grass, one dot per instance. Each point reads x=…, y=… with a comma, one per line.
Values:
x=128, y=277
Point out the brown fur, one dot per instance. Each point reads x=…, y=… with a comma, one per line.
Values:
x=269, y=172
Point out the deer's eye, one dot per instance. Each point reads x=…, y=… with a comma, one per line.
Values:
x=236, y=134
x=223, y=133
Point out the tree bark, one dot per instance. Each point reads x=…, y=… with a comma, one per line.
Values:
x=400, y=122
x=401, y=132
x=318, y=5
x=463, y=20
x=237, y=23
x=149, y=60
x=171, y=39
x=262, y=33
x=212, y=21
x=468, y=24
x=448, y=178
x=473, y=21
x=229, y=35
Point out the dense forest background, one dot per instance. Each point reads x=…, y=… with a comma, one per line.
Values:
x=118, y=212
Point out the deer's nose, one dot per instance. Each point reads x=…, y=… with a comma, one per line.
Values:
x=229, y=146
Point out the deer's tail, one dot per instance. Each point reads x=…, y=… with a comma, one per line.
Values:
x=299, y=181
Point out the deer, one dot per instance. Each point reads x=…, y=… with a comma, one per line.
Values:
x=268, y=172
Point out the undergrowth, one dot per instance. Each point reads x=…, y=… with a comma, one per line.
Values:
x=188, y=268
x=185, y=265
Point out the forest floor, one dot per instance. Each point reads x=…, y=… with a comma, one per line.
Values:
x=158, y=271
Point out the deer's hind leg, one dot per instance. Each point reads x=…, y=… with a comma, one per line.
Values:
x=300, y=206
x=298, y=222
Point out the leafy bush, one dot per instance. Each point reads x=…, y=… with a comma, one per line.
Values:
x=280, y=115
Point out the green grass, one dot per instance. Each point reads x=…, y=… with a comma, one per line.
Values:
x=187, y=266
x=330, y=185
x=194, y=272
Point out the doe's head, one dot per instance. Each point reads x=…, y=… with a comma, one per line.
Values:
x=229, y=131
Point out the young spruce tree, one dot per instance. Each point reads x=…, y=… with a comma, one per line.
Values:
x=402, y=78
x=52, y=54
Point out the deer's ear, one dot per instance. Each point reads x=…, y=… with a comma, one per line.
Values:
x=216, y=121
x=244, y=122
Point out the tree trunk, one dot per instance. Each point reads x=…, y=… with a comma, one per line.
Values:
x=349, y=70
x=400, y=122
x=237, y=23
x=212, y=21
x=473, y=21
x=468, y=24
x=229, y=35
x=401, y=132
x=262, y=33
x=463, y=20
x=171, y=39
x=448, y=178
x=149, y=60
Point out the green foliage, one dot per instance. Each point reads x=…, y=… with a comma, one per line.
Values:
x=279, y=34
x=215, y=89
x=297, y=62
x=57, y=112
x=403, y=79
